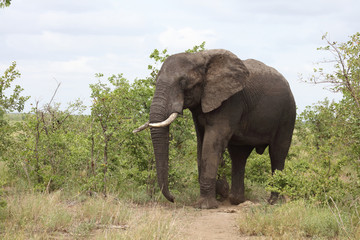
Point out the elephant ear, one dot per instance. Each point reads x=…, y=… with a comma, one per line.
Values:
x=226, y=75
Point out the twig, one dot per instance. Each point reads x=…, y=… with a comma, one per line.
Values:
x=26, y=173
x=53, y=96
x=123, y=227
x=48, y=187
x=338, y=217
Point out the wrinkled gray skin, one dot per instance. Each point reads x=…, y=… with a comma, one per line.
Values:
x=238, y=105
x=222, y=188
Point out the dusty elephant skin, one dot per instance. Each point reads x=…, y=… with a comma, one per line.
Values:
x=222, y=188
x=238, y=105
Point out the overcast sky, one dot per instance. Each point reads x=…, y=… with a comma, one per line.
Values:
x=69, y=41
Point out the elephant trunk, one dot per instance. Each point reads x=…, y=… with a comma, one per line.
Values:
x=160, y=140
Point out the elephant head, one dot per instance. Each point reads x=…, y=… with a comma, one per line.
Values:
x=201, y=81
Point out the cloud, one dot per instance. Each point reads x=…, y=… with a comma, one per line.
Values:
x=79, y=65
x=61, y=46
x=100, y=22
x=185, y=38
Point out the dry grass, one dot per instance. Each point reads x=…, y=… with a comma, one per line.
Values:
x=50, y=216
x=55, y=216
x=296, y=220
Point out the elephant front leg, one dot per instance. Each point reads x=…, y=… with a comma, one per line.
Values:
x=207, y=198
x=209, y=162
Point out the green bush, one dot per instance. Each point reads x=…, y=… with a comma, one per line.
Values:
x=301, y=180
x=258, y=168
x=3, y=181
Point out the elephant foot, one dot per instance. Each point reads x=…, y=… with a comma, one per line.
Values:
x=206, y=203
x=236, y=199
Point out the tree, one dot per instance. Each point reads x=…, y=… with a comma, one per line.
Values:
x=14, y=102
x=49, y=147
x=346, y=77
x=111, y=103
x=9, y=102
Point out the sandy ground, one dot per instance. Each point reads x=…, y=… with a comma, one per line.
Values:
x=218, y=223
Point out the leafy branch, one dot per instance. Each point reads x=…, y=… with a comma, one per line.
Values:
x=346, y=77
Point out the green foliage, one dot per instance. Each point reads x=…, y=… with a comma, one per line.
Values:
x=43, y=151
x=197, y=48
x=258, y=168
x=14, y=102
x=9, y=103
x=109, y=113
x=105, y=155
x=117, y=154
x=346, y=77
x=5, y=3
x=303, y=180
x=3, y=180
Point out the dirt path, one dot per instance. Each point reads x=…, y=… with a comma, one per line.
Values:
x=216, y=224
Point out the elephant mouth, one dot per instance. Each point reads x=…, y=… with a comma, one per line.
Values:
x=164, y=123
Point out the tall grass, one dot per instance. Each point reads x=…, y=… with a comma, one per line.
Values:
x=48, y=216
x=298, y=220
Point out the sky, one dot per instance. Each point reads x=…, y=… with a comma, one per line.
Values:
x=69, y=41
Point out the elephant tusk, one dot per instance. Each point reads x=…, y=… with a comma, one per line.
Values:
x=165, y=123
x=139, y=129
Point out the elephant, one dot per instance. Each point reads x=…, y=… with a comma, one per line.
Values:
x=222, y=188
x=236, y=105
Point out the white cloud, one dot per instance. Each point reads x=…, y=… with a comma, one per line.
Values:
x=184, y=38
x=79, y=65
x=55, y=46
x=99, y=22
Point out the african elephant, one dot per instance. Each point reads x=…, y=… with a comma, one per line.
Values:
x=235, y=104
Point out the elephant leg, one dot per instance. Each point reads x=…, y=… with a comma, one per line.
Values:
x=278, y=152
x=222, y=187
x=239, y=155
x=214, y=144
x=200, y=137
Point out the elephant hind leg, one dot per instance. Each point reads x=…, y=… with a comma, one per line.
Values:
x=239, y=155
x=278, y=152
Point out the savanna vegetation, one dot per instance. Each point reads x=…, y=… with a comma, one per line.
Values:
x=64, y=173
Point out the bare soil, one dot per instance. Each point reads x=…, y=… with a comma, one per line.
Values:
x=220, y=223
